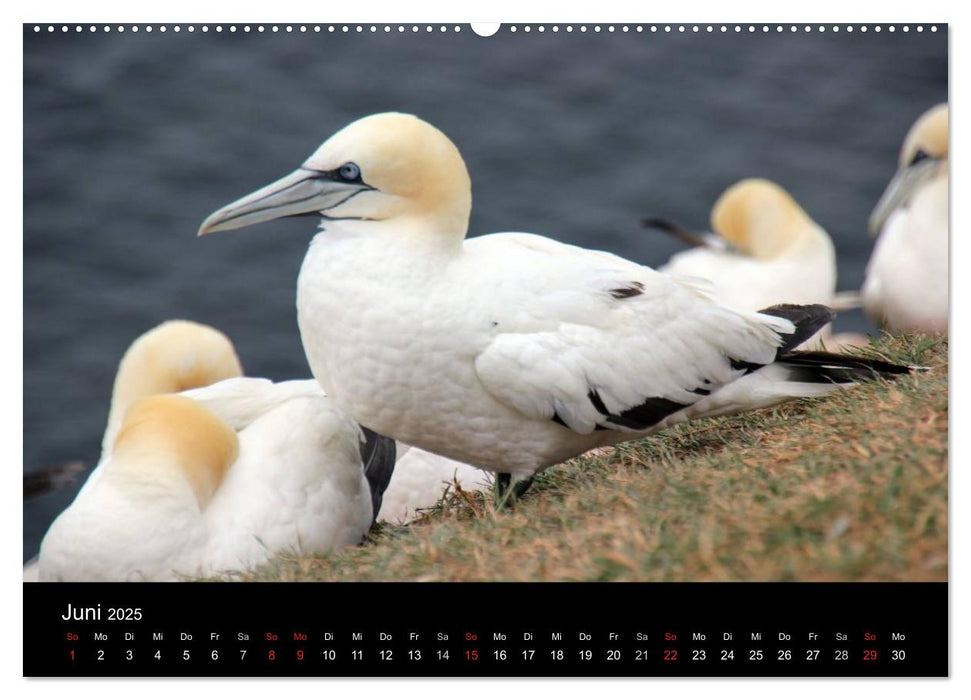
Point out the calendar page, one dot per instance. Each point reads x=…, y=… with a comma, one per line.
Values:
x=485, y=350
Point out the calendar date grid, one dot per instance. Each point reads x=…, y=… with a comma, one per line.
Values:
x=471, y=648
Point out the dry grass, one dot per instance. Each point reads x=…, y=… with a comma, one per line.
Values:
x=851, y=487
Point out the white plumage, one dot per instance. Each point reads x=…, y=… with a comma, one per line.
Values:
x=764, y=249
x=192, y=487
x=298, y=486
x=488, y=374
x=511, y=352
x=906, y=286
x=767, y=251
x=421, y=478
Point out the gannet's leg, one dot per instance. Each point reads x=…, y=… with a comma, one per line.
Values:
x=500, y=488
x=506, y=492
x=521, y=487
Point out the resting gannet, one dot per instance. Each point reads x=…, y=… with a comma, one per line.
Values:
x=158, y=362
x=216, y=479
x=766, y=250
x=906, y=284
x=172, y=357
x=511, y=352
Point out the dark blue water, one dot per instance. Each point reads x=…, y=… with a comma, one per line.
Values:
x=131, y=140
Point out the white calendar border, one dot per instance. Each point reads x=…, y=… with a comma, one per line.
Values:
x=438, y=11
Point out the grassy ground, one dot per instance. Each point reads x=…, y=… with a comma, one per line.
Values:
x=850, y=487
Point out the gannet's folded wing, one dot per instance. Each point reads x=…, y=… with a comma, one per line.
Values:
x=645, y=346
x=241, y=400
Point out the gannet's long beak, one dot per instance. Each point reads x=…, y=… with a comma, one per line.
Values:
x=902, y=187
x=303, y=192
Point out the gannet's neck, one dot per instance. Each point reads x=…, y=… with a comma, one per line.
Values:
x=165, y=436
x=411, y=237
x=804, y=239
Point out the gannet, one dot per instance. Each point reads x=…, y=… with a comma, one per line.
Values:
x=216, y=479
x=765, y=250
x=511, y=352
x=906, y=283
x=158, y=362
x=171, y=357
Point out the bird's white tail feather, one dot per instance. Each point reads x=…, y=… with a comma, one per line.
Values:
x=765, y=387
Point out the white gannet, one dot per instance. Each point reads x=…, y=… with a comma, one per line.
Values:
x=216, y=479
x=171, y=357
x=766, y=250
x=906, y=283
x=511, y=352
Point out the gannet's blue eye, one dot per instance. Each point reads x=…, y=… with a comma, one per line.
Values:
x=349, y=172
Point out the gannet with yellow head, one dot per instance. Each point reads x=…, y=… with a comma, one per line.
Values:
x=142, y=520
x=172, y=357
x=511, y=352
x=764, y=249
x=767, y=250
x=215, y=479
x=906, y=285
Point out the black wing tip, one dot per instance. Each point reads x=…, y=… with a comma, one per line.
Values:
x=660, y=224
x=41, y=481
x=802, y=314
x=844, y=369
x=785, y=310
x=378, y=455
x=649, y=413
x=807, y=318
x=680, y=232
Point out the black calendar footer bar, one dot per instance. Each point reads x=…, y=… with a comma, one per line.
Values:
x=486, y=629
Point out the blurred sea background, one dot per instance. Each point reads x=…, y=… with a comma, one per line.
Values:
x=131, y=140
